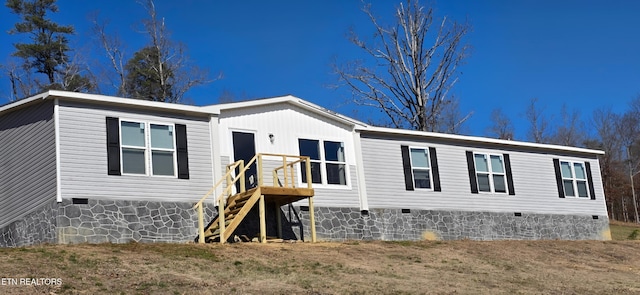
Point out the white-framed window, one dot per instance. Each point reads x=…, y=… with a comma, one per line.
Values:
x=328, y=164
x=490, y=173
x=421, y=168
x=574, y=179
x=147, y=148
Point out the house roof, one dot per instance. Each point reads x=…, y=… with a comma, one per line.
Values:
x=477, y=139
x=290, y=99
x=106, y=100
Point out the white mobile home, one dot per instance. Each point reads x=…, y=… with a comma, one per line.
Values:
x=91, y=168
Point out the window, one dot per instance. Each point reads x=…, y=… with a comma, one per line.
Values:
x=490, y=173
x=147, y=147
x=328, y=165
x=420, y=168
x=574, y=179
x=141, y=148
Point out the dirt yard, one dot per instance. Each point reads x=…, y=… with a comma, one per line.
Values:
x=428, y=267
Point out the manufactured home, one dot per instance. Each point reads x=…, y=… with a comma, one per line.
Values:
x=90, y=168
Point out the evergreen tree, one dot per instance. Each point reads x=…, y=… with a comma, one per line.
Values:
x=48, y=51
x=144, y=81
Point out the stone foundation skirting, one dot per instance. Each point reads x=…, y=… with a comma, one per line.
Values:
x=100, y=221
x=37, y=227
x=338, y=224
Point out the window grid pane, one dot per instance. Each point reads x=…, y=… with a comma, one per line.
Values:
x=483, y=183
x=133, y=161
x=162, y=136
x=310, y=148
x=498, y=183
x=481, y=163
x=422, y=178
x=419, y=158
x=582, y=189
x=133, y=133
x=496, y=164
x=566, y=170
x=334, y=151
x=580, y=173
x=568, y=188
x=162, y=163
x=336, y=174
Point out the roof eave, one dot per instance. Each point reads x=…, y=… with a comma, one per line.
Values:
x=475, y=139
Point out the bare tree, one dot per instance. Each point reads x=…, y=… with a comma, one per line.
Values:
x=538, y=123
x=501, y=125
x=414, y=66
x=160, y=71
x=168, y=61
x=114, y=50
x=22, y=82
x=629, y=130
x=570, y=131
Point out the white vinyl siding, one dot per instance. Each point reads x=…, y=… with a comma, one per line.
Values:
x=533, y=176
x=288, y=123
x=84, y=156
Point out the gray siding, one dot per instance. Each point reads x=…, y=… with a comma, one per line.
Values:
x=83, y=157
x=27, y=161
x=533, y=177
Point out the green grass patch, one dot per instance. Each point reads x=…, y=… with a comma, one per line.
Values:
x=624, y=231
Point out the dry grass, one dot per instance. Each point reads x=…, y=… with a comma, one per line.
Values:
x=427, y=267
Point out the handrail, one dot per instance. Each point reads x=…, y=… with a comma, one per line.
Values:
x=231, y=181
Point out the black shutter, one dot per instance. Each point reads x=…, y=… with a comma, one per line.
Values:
x=556, y=167
x=472, y=173
x=590, y=180
x=406, y=166
x=507, y=167
x=182, y=152
x=434, y=169
x=113, y=146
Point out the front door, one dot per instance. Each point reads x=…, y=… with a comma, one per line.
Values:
x=244, y=148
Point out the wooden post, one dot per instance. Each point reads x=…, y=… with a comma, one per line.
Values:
x=284, y=171
x=309, y=181
x=312, y=219
x=260, y=181
x=242, y=182
x=278, y=220
x=229, y=180
x=200, y=224
x=263, y=222
x=221, y=220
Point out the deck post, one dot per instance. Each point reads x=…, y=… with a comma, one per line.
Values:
x=312, y=220
x=278, y=219
x=263, y=223
x=221, y=220
x=260, y=180
x=200, y=224
x=242, y=180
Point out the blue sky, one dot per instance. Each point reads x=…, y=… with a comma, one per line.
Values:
x=585, y=54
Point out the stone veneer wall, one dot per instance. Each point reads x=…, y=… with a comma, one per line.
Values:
x=339, y=224
x=102, y=221
x=144, y=221
x=37, y=227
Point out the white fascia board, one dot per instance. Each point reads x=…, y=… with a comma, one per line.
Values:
x=476, y=139
x=18, y=103
x=103, y=99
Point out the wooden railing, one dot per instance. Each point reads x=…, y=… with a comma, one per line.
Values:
x=289, y=181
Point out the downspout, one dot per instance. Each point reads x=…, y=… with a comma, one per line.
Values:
x=56, y=123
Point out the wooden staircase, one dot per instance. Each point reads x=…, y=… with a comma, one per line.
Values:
x=234, y=208
x=237, y=208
